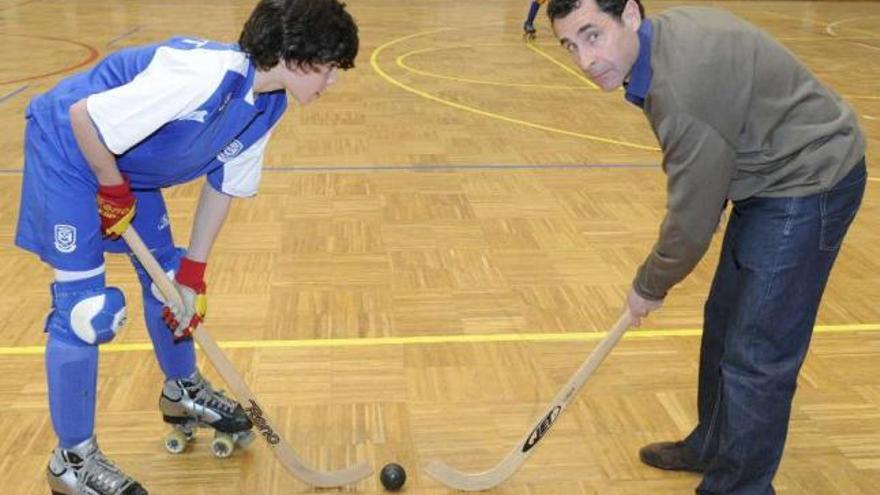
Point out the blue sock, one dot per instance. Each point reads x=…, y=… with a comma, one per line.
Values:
x=177, y=360
x=533, y=11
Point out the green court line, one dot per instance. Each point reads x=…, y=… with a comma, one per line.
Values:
x=436, y=339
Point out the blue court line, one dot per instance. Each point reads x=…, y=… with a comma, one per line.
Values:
x=124, y=35
x=13, y=93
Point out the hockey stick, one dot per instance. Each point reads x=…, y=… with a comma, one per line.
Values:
x=454, y=478
x=282, y=450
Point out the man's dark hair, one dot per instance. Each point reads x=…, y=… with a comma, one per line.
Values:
x=558, y=9
x=304, y=33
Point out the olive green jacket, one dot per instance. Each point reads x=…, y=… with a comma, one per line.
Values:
x=737, y=116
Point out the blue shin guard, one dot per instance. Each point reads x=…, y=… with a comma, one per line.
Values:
x=72, y=373
x=177, y=359
x=84, y=314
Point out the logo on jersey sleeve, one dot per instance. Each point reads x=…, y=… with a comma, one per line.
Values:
x=65, y=238
x=226, y=100
x=230, y=151
x=197, y=116
x=196, y=43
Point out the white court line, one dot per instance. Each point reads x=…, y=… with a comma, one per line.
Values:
x=830, y=27
x=866, y=45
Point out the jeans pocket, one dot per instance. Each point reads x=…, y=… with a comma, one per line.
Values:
x=839, y=207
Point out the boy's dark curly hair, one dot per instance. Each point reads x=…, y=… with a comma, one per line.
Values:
x=558, y=9
x=302, y=33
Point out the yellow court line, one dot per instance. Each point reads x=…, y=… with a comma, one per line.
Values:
x=400, y=63
x=374, y=62
x=564, y=67
x=437, y=339
x=874, y=179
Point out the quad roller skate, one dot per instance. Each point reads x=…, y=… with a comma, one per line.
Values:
x=83, y=470
x=190, y=403
x=529, y=31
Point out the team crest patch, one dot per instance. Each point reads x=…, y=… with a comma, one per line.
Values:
x=65, y=238
x=230, y=151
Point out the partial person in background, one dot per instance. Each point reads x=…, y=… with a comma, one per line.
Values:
x=529, y=31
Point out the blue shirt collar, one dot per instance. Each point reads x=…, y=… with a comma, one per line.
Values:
x=640, y=77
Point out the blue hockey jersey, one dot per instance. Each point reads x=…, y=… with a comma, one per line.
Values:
x=170, y=112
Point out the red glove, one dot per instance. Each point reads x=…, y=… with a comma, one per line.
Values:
x=190, y=283
x=116, y=208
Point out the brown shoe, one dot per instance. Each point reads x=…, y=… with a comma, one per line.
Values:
x=672, y=456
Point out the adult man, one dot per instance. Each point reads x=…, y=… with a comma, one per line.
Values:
x=112, y=137
x=739, y=119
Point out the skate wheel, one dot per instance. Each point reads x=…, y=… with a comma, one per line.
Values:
x=175, y=441
x=244, y=439
x=222, y=445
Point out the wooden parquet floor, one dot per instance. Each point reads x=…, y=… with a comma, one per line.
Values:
x=438, y=244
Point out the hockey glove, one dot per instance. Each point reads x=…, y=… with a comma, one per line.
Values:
x=116, y=208
x=190, y=283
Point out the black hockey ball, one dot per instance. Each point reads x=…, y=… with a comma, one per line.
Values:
x=392, y=477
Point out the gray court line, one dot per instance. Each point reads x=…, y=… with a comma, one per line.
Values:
x=124, y=35
x=430, y=168
x=435, y=168
x=13, y=93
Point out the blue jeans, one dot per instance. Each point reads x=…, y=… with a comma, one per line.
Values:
x=775, y=260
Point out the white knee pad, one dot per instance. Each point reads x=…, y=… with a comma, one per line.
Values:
x=92, y=316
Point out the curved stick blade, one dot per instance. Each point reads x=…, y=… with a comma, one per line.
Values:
x=454, y=478
x=333, y=479
x=469, y=482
